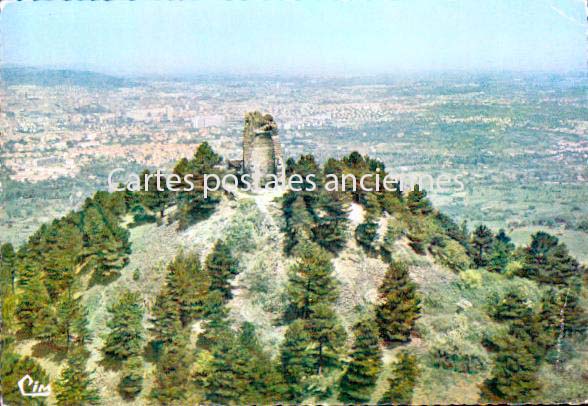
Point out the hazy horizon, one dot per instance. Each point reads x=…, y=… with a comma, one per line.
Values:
x=332, y=38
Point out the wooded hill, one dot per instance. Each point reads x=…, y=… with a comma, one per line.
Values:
x=462, y=307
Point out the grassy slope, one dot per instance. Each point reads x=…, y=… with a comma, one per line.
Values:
x=454, y=306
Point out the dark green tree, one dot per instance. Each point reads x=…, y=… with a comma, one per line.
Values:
x=399, y=304
x=188, y=284
x=560, y=308
x=502, y=250
x=481, y=245
x=72, y=322
x=512, y=307
x=173, y=372
x=126, y=335
x=311, y=280
x=105, y=244
x=401, y=381
x=548, y=261
x=452, y=229
x=514, y=376
x=80, y=327
x=297, y=361
x=217, y=324
x=328, y=335
x=157, y=197
x=227, y=382
x=222, y=268
x=166, y=319
x=264, y=379
x=62, y=251
x=192, y=206
x=8, y=266
x=538, y=255
x=299, y=221
x=364, y=365
x=366, y=235
x=46, y=327
x=330, y=229
x=131, y=381
x=32, y=305
x=417, y=202
x=75, y=386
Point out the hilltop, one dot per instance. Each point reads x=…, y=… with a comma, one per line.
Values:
x=165, y=296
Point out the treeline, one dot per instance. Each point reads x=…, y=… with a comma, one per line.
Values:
x=317, y=359
x=191, y=206
x=40, y=293
x=536, y=333
x=40, y=284
x=41, y=289
x=323, y=217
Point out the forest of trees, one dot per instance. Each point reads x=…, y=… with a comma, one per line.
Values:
x=41, y=292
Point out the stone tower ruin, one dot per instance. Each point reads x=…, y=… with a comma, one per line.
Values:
x=262, y=153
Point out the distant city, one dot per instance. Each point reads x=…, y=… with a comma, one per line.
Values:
x=509, y=133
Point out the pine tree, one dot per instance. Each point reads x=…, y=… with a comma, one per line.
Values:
x=562, y=305
x=311, y=281
x=548, y=261
x=156, y=199
x=166, y=319
x=537, y=254
x=562, y=268
x=364, y=366
x=46, y=327
x=399, y=305
x=550, y=313
x=481, y=245
x=126, y=335
x=514, y=376
x=75, y=387
x=131, y=381
x=217, y=325
x=69, y=321
x=227, y=382
x=299, y=221
x=502, y=250
x=575, y=314
x=63, y=247
x=173, y=372
x=105, y=244
x=222, y=268
x=402, y=380
x=264, y=381
x=188, y=284
x=366, y=235
x=328, y=334
x=192, y=206
x=296, y=360
x=330, y=231
x=452, y=229
x=514, y=306
x=32, y=304
x=417, y=202
x=80, y=327
x=8, y=266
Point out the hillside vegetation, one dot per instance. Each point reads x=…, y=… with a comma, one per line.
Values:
x=316, y=297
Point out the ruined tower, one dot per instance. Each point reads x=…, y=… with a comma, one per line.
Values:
x=262, y=153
